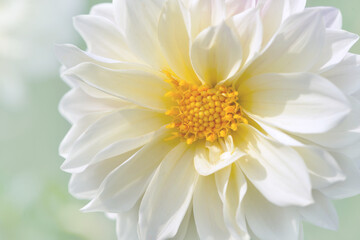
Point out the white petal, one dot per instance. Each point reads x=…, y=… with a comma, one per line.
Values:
x=126, y=224
x=337, y=45
x=211, y=157
x=75, y=104
x=232, y=187
x=344, y=134
x=185, y=226
x=77, y=129
x=348, y=188
x=295, y=48
x=174, y=40
x=129, y=84
x=346, y=74
x=191, y=233
x=234, y=7
x=103, y=38
x=123, y=125
x=268, y=221
x=205, y=13
x=322, y=213
x=140, y=24
x=216, y=54
x=168, y=196
x=276, y=170
x=323, y=168
x=299, y=102
x=330, y=15
x=105, y=10
x=123, y=187
x=250, y=32
x=86, y=183
x=208, y=211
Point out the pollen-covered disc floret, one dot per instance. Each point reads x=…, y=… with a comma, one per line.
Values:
x=202, y=112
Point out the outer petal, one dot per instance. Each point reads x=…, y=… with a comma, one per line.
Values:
x=331, y=16
x=208, y=211
x=267, y=166
x=216, y=54
x=125, y=185
x=348, y=188
x=126, y=224
x=295, y=47
x=299, y=103
x=337, y=45
x=123, y=125
x=250, y=32
x=130, y=84
x=105, y=10
x=234, y=7
x=103, y=38
x=268, y=221
x=205, y=13
x=322, y=213
x=168, y=196
x=140, y=24
x=232, y=188
x=211, y=157
x=174, y=40
x=346, y=74
x=86, y=183
x=323, y=168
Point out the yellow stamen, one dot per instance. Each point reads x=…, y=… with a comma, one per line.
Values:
x=202, y=112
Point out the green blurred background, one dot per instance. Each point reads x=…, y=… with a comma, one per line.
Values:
x=34, y=202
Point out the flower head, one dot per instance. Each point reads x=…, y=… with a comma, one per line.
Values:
x=223, y=119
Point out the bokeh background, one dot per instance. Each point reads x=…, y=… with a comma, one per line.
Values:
x=34, y=202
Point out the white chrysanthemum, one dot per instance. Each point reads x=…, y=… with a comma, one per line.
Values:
x=217, y=119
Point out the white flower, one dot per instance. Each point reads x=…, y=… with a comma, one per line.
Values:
x=220, y=119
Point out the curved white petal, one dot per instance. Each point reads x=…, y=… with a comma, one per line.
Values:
x=169, y=194
x=321, y=213
x=216, y=54
x=129, y=84
x=174, y=40
x=211, y=157
x=346, y=74
x=208, y=212
x=298, y=103
x=126, y=224
x=323, y=168
x=234, y=7
x=330, y=15
x=139, y=22
x=123, y=187
x=268, y=221
x=105, y=10
x=205, y=13
x=345, y=134
x=250, y=32
x=276, y=170
x=77, y=129
x=123, y=125
x=75, y=104
x=185, y=226
x=348, y=188
x=86, y=183
x=103, y=38
x=337, y=45
x=232, y=187
x=191, y=233
x=295, y=48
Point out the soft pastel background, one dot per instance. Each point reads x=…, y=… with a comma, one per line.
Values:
x=34, y=202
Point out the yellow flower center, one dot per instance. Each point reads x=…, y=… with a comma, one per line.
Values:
x=202, y=112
